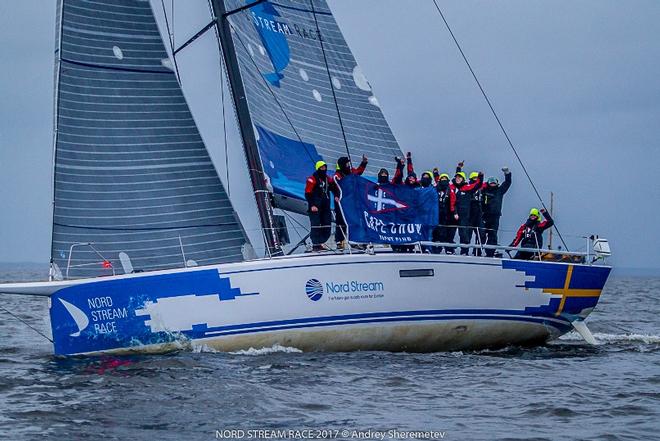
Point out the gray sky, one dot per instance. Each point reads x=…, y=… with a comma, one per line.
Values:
x=576, y=83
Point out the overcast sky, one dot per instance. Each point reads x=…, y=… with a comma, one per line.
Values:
x=576, y=83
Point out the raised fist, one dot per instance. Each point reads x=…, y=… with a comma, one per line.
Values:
x=505, y=170
x=364, y=158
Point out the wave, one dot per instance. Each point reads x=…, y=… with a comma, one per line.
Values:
x=264, y=351
x=604, y=338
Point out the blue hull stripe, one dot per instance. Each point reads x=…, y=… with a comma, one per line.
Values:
x=504, y=315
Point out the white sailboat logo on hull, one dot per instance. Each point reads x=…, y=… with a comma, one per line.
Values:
x=78, y=316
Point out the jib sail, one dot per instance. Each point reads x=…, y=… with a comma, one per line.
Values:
x=132, y=178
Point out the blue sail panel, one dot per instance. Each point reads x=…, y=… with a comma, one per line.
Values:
x=132, y=174
x=307, y=96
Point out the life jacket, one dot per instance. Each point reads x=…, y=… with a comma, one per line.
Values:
x=444, y=204
x=532, y=237
x=317, y=190
x=463, y=199
x=476, y=195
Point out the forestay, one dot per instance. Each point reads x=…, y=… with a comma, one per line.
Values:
x=131, y=171
x=307, y=97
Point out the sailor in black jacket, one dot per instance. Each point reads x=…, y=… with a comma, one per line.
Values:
x=317, y=192
x=492, y=195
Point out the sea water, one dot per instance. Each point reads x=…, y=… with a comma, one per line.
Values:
x=566, y=390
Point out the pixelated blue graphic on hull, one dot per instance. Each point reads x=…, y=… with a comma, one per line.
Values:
x=111, y=314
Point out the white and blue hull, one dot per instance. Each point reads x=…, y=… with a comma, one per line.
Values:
x=395, y=302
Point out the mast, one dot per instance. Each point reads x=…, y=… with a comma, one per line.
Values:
x=257, y=175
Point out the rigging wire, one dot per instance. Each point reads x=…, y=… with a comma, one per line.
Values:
x=332, y=87
x=222, y=99
x=492, y=109
x=170, y=37
x=26, y=323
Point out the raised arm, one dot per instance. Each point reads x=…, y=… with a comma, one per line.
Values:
x=398, y=173
x=362, y=167
x=507, y=180
x=547, y=223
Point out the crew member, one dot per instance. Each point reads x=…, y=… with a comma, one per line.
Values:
x=463, y=193
x=398, y=172
x=530, y=234
x=426, y=180
x=492, y=195
x=343, y=169
x=446, y=205
x=383, y=176
x=317, y=192
x=474, y=221
x=411, y=179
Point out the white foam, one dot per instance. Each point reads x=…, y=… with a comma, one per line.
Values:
x=615, y=338
x=203, y=349
x=264, y=351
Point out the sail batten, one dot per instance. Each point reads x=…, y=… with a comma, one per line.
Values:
x=131, y=172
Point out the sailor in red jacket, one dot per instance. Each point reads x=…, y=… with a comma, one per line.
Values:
x=317, y=192
x=343, y=169
x=530, y=234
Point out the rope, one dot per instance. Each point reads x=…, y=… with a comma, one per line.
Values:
x=492, y=109
x=222, y=98
x=170, y=36
x=332, y=87
x=26, y=323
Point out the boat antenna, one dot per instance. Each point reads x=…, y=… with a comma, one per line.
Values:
x=497, y=118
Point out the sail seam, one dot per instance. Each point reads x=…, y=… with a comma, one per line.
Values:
x=123, y=69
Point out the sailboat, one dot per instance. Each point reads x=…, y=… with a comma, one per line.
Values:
x=148, y=251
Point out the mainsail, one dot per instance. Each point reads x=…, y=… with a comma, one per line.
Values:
x=132, y=175
x=308, y=98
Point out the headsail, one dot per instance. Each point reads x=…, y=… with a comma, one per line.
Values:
x=307, y=96
x=131, y=174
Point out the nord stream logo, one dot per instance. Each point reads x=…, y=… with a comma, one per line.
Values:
x=314, y=289
x=353, y=286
